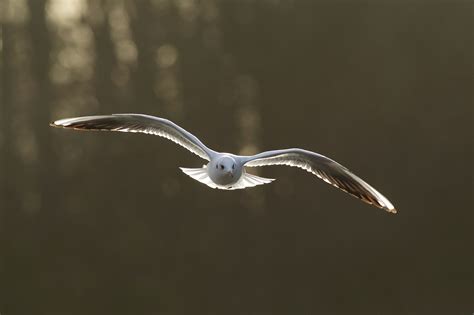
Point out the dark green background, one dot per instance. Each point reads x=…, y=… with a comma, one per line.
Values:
x=102, y=223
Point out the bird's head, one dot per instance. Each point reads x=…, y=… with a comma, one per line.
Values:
x=226, y=170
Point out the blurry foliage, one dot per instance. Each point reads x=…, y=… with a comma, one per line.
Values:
x=101, y=223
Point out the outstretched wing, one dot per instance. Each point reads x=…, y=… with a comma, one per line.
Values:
x=139, y=123
x=326, y=169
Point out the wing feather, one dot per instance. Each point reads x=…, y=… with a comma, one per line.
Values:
x=139, y=123
x=326, y=169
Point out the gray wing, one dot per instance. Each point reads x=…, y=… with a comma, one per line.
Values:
x=139, y=123
x=326, y=169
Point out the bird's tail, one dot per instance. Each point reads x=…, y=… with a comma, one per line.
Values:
x=199, y=174
x=246, y=180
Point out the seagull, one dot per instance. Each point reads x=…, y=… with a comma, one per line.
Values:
x=228, y=171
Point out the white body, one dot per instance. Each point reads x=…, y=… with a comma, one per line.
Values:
x=225, y=171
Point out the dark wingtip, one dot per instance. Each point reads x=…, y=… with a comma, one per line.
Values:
x=392, y=211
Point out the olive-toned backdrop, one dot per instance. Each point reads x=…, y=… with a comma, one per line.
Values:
x=106, y=223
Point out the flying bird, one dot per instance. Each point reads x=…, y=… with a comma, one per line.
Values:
x=226, y=170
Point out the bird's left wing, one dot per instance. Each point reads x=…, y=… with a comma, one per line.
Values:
x=139, y=123
x=326, y=169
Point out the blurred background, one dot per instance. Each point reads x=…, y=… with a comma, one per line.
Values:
x=101, y=223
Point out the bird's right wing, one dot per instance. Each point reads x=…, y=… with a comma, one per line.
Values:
x=326, y=169
x=139, y=123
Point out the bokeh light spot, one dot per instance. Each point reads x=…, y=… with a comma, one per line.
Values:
x=166, y=56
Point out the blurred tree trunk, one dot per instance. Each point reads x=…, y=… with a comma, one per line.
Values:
x=105, y=61
x=7, y=169
x=141, y=14
x=3, y=121
x=6, y=190
x=41, y=109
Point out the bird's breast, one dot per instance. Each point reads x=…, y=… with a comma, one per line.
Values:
x=222, y=178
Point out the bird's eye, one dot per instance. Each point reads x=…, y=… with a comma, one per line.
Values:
x=233, y=166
